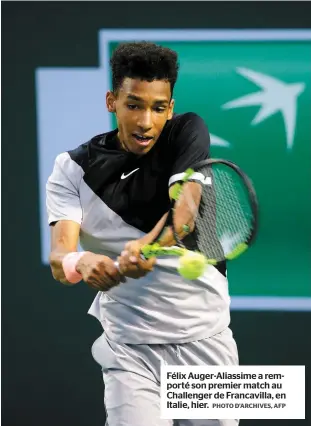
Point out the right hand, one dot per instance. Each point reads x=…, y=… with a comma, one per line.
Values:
x=99, y=271
x=130, y=262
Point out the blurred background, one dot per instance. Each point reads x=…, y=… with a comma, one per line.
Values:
x=246, y=69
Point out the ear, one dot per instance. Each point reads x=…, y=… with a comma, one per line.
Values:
x=171, y=109
x=111, y=101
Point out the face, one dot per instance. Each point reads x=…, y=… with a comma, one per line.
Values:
x=142, y=109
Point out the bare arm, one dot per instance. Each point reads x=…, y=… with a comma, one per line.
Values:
x=98, y=271
x=185, y=212
x=64, y=239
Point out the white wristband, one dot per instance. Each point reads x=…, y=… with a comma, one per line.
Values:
x=69, y=267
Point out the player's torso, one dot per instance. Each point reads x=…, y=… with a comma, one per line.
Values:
x=122, y=196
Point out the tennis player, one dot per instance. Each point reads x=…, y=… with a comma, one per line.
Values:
x=112, y=195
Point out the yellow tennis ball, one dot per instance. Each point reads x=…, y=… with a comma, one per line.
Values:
x=191, y=265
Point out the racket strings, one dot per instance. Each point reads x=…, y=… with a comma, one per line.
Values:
x=205, y=233
x=225, y=216
x=234, y=215
x=206, y=226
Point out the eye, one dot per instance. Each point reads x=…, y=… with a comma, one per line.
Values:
x=159, y=109
x=132, y=106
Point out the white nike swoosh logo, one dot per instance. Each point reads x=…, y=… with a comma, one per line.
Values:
x=125, y=176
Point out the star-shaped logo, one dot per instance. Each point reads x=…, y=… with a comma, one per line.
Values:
x=275, y=96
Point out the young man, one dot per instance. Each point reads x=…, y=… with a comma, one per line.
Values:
x=112, y=194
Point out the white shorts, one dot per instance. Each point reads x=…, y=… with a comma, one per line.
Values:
x=131, y=376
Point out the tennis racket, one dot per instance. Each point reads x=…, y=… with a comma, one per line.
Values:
x=224, y=215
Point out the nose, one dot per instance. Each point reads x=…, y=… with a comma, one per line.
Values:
x=145, y=121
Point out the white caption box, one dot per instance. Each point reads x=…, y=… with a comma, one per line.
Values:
x=232, y=392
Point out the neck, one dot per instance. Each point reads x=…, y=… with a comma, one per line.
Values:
x=121, y=144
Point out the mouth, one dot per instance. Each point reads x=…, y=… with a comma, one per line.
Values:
x=142, y=140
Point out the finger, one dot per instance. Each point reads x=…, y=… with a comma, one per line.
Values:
x=96, y=274
x=128, y=246
x=138, y=270
x=146, y=264
x=106, y=273
x=133, y=267
x=129, y=256
x=102, y=279
x=113, y=273
x=132, y=272
x=123, y=259
x=107, y=283
x=133, y=248
x=125, y=264
x=111, y=279
x=94, y=285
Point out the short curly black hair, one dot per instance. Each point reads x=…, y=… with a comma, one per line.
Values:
x=145, y=61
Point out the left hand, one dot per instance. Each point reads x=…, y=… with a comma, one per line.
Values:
x=130, y=262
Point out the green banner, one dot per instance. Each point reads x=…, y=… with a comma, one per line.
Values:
x=255, y=96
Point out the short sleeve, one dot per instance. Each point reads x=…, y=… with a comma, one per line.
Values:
x=62, y=190
x=191, y=144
